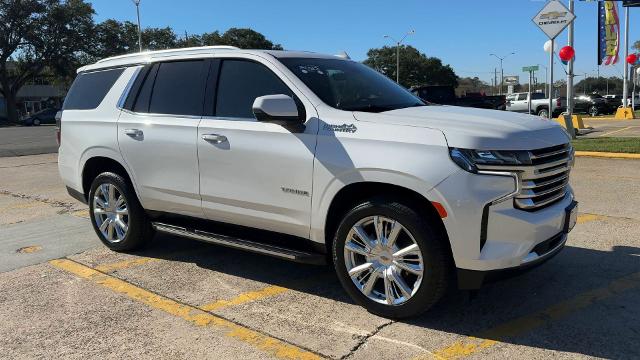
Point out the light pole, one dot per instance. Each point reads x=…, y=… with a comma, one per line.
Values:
x=546, y=76
x=137, y=2
x=398, y=43
x=501, y=70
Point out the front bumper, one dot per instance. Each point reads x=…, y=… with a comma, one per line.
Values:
x=474, y=279
x=487, y=237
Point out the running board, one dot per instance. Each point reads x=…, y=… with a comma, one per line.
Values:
x=242, y=244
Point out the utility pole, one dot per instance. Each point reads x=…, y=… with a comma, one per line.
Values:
x=501, y=69
x=398, y=43
x=625, y=86
x=495, y=80
x=550, y=109
x=570, y=68
x=137, y=2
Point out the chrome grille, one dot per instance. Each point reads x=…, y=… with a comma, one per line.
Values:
x=543, y=182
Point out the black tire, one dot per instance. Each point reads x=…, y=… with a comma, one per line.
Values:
x=139, y=232
x=543, y=113
x=433, y=247
x=36, y=122
x=593, y=111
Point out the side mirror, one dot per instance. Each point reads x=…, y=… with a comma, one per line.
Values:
x=281, y=109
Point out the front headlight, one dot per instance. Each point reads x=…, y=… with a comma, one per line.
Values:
x=468, y=159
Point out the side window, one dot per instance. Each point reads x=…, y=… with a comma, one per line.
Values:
x=240, y=83
x=89, y=89
x=178, y=88
x=522, y=96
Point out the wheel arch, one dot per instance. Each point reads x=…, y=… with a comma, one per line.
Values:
x=95, y=165
x=353, y=193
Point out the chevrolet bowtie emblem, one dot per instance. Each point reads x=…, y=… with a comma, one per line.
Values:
x=552, y=15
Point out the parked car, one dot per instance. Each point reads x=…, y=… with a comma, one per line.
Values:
x=593, y=104
x=46, y=116
x=519, y=102
x=317, y=159
x=445, y=95
x=613, y=100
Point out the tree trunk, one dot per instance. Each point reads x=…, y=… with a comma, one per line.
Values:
x=12, y=107
x=9, y=95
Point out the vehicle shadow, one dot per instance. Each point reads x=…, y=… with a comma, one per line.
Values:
x=572, y=273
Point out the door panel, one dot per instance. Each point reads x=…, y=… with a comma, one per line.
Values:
x=163, y=159
x=261, y=176
x=157, y=136
x=256, y=174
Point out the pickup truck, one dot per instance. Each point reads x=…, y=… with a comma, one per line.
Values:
x=519, y=102
x=445, y=95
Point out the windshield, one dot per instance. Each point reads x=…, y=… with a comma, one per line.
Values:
x=351, y=86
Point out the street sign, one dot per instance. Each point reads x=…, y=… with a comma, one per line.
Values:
x=530, y=68
x=553, y=18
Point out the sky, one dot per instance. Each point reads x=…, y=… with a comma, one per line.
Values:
x=462, y=33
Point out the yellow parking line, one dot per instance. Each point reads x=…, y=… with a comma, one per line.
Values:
x=269, y=345
x=474, y=344
x=244, y=298
x=608, y=155
x=617, y=131
x=585, y=218
x=107, y=268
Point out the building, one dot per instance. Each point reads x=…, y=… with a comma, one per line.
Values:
x=37, y=94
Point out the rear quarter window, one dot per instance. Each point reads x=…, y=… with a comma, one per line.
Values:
x=89, y=89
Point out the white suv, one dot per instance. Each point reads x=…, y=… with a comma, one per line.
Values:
x=315, y=158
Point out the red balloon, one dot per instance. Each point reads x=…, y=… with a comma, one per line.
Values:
x=566, y=53
x=632, y=58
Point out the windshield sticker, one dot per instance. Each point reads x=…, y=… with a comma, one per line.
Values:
x=305, y=69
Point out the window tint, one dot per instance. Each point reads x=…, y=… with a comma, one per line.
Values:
x=178, y=88
x=240, y=83
x=537, y=96
x=522, y=96
x=89, y=89
x=143, y=97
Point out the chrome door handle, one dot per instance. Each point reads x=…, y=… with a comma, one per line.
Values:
x=214, y=138
x=133, y=132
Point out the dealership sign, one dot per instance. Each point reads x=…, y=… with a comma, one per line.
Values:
x=553, y=18
x=608, y=32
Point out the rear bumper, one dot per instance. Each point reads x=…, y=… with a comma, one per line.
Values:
x=474, y=279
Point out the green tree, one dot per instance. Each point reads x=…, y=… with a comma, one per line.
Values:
x=599, y=85
x=416, y=68
x=40, y=34
x=242, y=38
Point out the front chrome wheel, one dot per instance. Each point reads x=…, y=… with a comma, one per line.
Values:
x=383, y=260
x=111, y=212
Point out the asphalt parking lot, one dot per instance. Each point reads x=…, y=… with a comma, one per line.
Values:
x=27, y=140
x=63, y=295
x=607, y=127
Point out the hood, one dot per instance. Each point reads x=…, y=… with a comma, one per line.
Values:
x=480, y=129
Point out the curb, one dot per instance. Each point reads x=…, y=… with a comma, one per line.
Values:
x=608, y=155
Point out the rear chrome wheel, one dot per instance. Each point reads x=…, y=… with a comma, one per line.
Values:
x=383, y=260
x=116, y=214
x=111, y=213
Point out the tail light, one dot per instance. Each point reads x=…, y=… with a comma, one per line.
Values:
x=59, y=127
x=558, y=102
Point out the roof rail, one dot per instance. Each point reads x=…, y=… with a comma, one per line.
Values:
x=216, y=47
